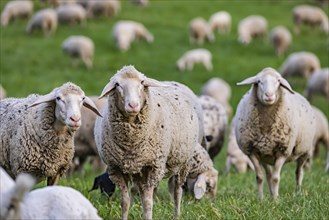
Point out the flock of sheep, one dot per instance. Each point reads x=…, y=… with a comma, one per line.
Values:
x=141, y=130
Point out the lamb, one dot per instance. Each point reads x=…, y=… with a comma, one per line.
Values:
x=274, y=125
x=200, y=31
x=220, y=90
x=53, y=202
x=221, y=22
x=125, y=32
x=280, y=38
x=310, y=15
x=71, y=14
x=300, y=64
x=318, y=83
x=78, y=46
x=38, y=138
x=104, y=183
x=103, y=7
x=15, y=9
x=45, y=19
x=251, y=27
x=148, y=132
x=3, y=93
x=191, y=57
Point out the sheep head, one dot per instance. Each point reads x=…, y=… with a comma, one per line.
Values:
x=268, y=82
x=206, y=183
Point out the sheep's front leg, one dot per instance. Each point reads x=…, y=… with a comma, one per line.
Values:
x=147, y=201
x=259, y=175
x=53, y=180
x=125, y=200
x=300, y=171
x=276, y=176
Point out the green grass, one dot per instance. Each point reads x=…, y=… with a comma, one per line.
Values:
x=34, y=64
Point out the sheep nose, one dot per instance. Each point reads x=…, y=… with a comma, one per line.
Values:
x=269, y=94
x=133, y=105
x=75, y=118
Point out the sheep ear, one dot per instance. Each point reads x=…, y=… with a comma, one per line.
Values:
x=45, y=98
x=108, y=88
x=285, y=84
x=248, y=81
x=153, y=83
x=88, y=103
x=200, y=187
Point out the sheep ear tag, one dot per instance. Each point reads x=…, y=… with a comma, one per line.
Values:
x=200, y=188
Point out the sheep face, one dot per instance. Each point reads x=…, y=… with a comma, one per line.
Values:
x=206, y=183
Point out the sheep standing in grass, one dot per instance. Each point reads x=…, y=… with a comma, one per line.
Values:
x=251, y=27
x=221, y=22
x=280, y=38
x=200, y=31
x=2, y=92
x=45, y=19
x=37, y=132
x=192, y=57
x=80, y=47
x=125, y=32
x=318, y=83
x=103, y=7
x=71, y=14
x=148, y=132
x=274, y=125
x=15, y=9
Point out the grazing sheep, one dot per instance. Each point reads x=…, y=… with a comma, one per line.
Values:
x=142, y=3
x=104, y=183
x=3, y=93
x=103, y=7
x=38, y=138
x=300, y=64
x=219, y=90
x=318, y=83
x=148, y=132
x=71, y=14
x=221, y=22
x=310, y=15
x=280, y=38
x=15, y=9
x=274, y=125
x=200, y=31
x=52, y=202
x=191, y=57
x=45, y=19
x=125, y=32
x=251, y=27
x=80, y=47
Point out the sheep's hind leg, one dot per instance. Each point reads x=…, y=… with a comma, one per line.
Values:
x=268, y=172
x=178, y=191
x=300, y=171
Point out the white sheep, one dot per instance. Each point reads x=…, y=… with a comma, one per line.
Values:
x=300, y=64
x=142, y=3
x=37, y=132
x=71, y=14
x=251, y=27
x=318, y=83
x=15, y=9
x=274, y=125
x=3, y=93
x=148, y=132
x=200, y=31
x=45, y=19
x=280, y=38
x=53, y=202
x=103, y=7
x=220, y=90
x=310, y=15
x=221, y=22
x=80, y=47
x=125, y=32
x=194, y=56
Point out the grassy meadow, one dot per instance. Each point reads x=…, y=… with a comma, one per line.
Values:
x=36, y=64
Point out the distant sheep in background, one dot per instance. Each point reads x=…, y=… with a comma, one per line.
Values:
x=103, y=7
x=45, y=19
x=142, y=3
x=3, y=93
x=200, y=31
x=221, y=22
x=192, y=57
x=16, y=9
x=318, y=83
x=280, y=38
x=71, y=14
x=251, y=27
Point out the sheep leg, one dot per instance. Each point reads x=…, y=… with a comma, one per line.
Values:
x=53, y=180
x=125, y=200
x=147, y=200
x=276, y=176
x=268, y=172
x=259, y=175
x=227, y=165
x=178, y=191
x=327, y=166
x=300, y=171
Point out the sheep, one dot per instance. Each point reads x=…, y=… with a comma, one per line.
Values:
x=251, y=27
x=142, y=3
x=235, y=156
x=38, y=138
x=45, y=19
x=310, y=15
x=274, y=125
x=124, y=32
x=221, y=22
x=280, y=38
x=191, y=57
x=104, y=183
x=220, y=90
x=3, y=93
x=215, y=122
x=15, y=9
x=103, y=7
x=300, y=64
x=53, y=202
x=318, y=83
x=71, y=14
x=148, y=132
x=78, y=46
x=199, y=31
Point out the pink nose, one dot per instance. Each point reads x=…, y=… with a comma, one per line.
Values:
x=269, y=94
x=133, y=105
x=75, y=118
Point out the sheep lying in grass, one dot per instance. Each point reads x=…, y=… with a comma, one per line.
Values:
x=274, y=125
x=37, y=132
x=221, y=22
x=80, y=47
x=200, y=31
x=15, y=9
x=148, y=132
x=318, y=83
x=251, y=27
x=192, y=57
x=3, y=93
x=281, y=39
x=45, y=19
x=53, y=202
x=71, y=14
x=103, y=7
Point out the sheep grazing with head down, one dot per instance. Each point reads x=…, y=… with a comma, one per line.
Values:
x=103, y=7
x=15, y=9
x=274, y=125
x=251, y=27
x=71, y=14
x=37, y=132
x=318, y=83
x=192, y=57
x=221, y=22
x=45, y=19
x=200, y=31
x=280, y=38
x=148, y=132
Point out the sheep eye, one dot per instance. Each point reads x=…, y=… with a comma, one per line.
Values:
x=117, y=84
x=142, y=82
x=58, y=98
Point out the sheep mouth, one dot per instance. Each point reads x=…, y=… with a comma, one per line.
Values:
x=269, y=101
x=73, y=127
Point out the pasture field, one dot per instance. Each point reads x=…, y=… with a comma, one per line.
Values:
x=36, y=64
